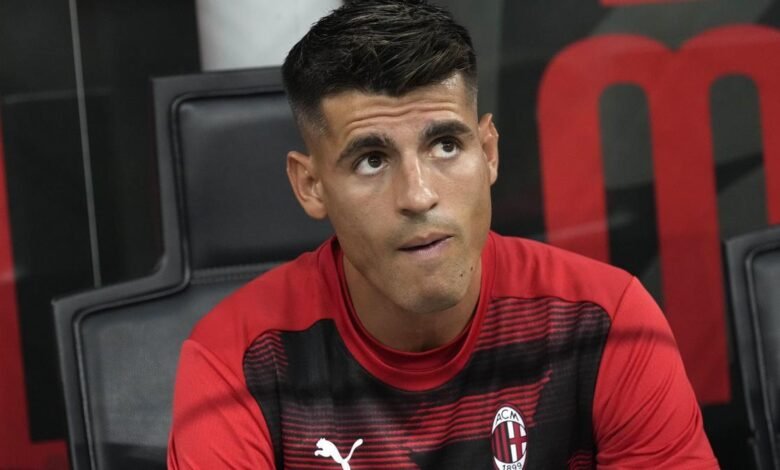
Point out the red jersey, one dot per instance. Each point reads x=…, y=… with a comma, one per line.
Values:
x=566, y=363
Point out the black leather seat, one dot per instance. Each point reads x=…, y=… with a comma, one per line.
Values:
x=227, y=215
x=753, y=270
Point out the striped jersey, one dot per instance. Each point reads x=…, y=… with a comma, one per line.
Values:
x=566, y=363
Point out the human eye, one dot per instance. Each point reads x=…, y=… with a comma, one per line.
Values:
x=370, y=164
x=446, y=147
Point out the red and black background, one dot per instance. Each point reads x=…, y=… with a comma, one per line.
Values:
x=640, y=132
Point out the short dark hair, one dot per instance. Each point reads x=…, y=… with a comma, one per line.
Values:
x=377, y=46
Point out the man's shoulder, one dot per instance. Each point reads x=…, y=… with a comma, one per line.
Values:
x=529, y=268
x=289, y=296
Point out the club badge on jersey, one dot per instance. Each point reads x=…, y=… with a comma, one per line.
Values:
x=509, y=439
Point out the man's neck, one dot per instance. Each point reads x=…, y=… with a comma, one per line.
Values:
x=404, y=330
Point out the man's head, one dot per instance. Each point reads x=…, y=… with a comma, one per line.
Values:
x=376, y=46
x=385, y=95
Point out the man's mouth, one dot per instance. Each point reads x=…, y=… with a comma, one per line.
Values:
x=427, y=243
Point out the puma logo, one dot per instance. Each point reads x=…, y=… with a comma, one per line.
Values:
x=325, y=448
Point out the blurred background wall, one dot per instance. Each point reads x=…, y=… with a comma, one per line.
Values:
x=634, y=131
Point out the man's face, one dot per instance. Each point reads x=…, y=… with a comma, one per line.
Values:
x=405, y=183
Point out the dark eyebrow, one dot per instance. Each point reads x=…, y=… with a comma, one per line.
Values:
x=368, y=141
x=440, y=128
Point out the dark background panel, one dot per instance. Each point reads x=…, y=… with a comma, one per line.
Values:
x=35, y=46
x=771, y=16
x=51, y=246
x=628, y=176
x=533, y=32
x=675, y=21
x=123, y=44
x=739, y=166
x=45, y=187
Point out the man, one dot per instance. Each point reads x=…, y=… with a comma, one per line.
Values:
x=416, y=338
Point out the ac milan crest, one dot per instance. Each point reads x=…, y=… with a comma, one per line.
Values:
x=509, y=439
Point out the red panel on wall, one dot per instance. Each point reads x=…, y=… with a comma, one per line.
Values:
x=16, y=449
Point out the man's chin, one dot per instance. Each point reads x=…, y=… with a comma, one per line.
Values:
x=426, y=303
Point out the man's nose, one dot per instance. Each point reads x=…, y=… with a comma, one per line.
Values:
x=415, y=192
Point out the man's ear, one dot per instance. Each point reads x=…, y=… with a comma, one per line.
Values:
x=488, y=136
x=306, y=184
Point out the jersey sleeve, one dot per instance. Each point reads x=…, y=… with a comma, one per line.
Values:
x=645, y=413
x=216, y=422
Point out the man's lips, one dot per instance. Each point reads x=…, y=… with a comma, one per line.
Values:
x=424, y=242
